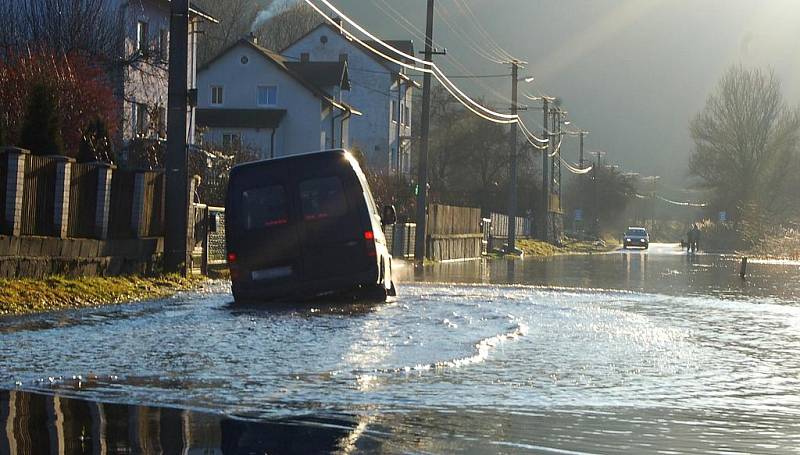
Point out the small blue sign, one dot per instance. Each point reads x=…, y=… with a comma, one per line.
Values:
x=578, y=214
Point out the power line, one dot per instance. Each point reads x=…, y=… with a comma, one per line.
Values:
x=463, y=6
x=467, y=39
x=434, y=70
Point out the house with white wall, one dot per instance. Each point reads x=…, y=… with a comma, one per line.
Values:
x=381, y=90
x=141, y=80
x=253, y=99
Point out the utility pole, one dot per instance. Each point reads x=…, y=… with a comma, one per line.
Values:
x=396, y=157
x=512, y=199
x=422, y=172
x=176, y=206
x=581, y=186
x=545, y=176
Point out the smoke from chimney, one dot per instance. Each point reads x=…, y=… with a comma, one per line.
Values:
x=275, y=8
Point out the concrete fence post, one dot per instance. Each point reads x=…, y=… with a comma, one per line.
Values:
x=102, y=216
x=15, y=186
x=61, y=206
x=137, y=217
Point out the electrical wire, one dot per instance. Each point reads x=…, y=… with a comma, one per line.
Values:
x=408, y=26
x=433, y=68
x=557, y=149
x=575, y=169
x=466, y=38
x=463, y=6
x=684, y=204
x=669, y=201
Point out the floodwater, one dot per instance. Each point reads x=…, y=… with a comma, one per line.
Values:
x=627, y=352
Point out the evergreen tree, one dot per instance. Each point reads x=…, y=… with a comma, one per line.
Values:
x=41, y=132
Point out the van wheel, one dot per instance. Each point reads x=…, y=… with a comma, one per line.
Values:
x=375, y=293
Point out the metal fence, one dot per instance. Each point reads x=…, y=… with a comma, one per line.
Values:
x=499, y=227
x=400, y=238
x=217, y=250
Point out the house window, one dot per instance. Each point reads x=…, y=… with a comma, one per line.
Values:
x=163, y=45
x=216, y=95
x=142, y=36
x=393, y=111
x=267, y=95
x=402, y=114
x=140, y=120
x=304, y=57
x=407, y=111
x=159, y=119
x=231, y=141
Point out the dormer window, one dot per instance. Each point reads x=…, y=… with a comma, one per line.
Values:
x=267, y=95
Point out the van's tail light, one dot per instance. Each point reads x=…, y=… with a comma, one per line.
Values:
x=233, y=266
x=369, y=241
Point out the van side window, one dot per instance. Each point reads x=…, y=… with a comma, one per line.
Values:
x=322, y=198
x=264, y=207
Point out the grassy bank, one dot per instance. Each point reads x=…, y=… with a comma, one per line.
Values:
x=23, y=296
x=537, y=248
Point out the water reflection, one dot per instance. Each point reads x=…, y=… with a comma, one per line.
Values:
x=664, y=269
x=33, y=423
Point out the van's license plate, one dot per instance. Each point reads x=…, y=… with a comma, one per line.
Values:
x=270, y=274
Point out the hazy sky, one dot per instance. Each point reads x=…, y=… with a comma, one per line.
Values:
x=633, y=72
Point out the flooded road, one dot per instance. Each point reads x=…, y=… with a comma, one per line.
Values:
x=627, y=352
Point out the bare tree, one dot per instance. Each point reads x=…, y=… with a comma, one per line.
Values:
x=235, y=19
x=61, y=25
x=746, y=146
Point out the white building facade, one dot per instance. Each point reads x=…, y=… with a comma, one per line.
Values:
x=252, y=99
x=141, y=80
x=380, y=89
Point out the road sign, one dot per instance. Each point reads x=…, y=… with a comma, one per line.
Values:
x=578, y=214
x=723, y=216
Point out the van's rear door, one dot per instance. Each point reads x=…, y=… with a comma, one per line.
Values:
x=269, y=249
x=331, y=230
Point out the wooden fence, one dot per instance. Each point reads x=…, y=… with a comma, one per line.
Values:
x=153, y=204
x=38, y=198
x=453, y=233
x=3, y=192
x=82, y=201
x=120, y=224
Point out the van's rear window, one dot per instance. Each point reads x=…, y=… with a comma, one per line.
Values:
x=322, y=198
x=264, y=207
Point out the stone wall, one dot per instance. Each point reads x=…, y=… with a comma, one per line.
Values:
x=38, y=257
